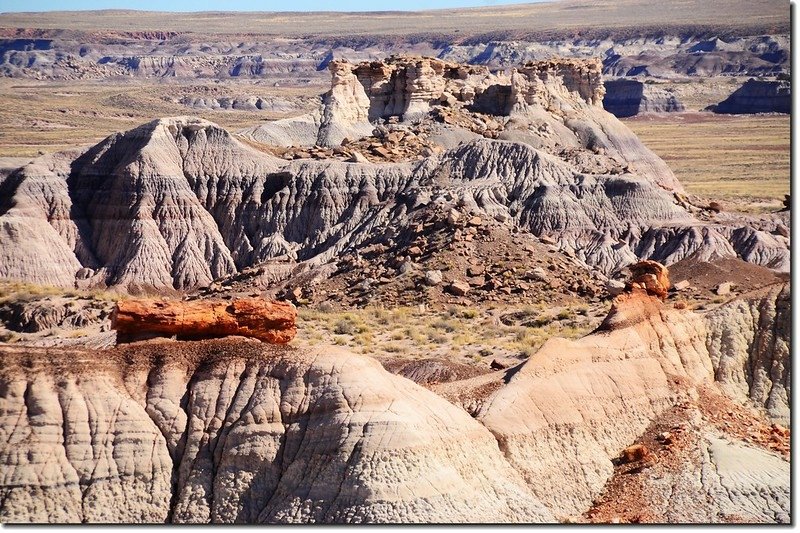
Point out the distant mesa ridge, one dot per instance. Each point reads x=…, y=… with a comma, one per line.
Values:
x=629, y=97
x=634, y=38
x=758, y=96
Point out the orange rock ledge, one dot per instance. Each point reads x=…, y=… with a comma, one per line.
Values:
x=267, y=321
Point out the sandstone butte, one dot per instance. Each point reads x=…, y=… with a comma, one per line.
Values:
x=267, y=321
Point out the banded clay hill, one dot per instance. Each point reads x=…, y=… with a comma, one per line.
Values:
x=445, y=287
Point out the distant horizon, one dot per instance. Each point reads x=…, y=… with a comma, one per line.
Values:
x=254, y=6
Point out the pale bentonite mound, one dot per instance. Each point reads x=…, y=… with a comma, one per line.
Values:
x=179, y=202
x=569, y=410
x=575, y=404
x=235, y=431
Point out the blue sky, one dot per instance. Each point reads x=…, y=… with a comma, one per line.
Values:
x=247, y=5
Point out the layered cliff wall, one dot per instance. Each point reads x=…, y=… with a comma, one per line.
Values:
x=231, y=431
x=29, y=52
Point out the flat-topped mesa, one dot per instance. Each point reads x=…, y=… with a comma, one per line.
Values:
x=626, y=98
x=758, y=96
x=271, y=322
x=551, y=105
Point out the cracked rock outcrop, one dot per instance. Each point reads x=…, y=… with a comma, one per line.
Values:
x=549, y=104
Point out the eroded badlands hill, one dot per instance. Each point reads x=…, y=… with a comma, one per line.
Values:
x=235, y=431
x=178, y=203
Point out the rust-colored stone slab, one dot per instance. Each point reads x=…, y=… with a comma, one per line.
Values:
x=268, y=321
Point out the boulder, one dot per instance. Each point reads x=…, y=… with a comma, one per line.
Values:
x=665, y=438
x=267, y=321
x=476, y=270
x=615, y=287
x=84, y=273
x=406, y=267
x=723, y=288
x=357, y=157
x=453, y=216
x=497, y=365
x=682, y=285
x=651, y=276
x=634, y=453
x=459, y=288
x=538, y=274
x=433, y=277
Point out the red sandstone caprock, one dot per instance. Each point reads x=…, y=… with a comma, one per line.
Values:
x=272, y=322
x=651, y=276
